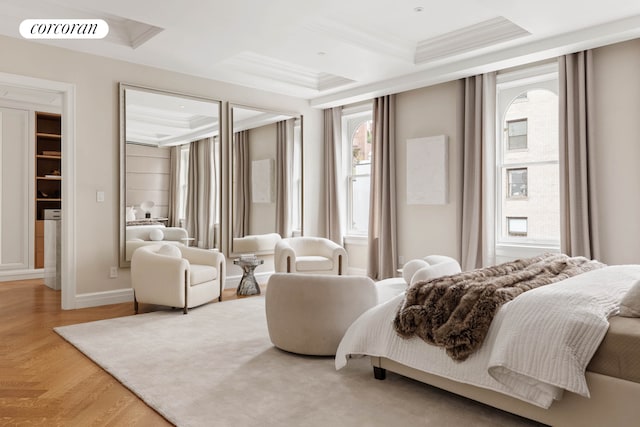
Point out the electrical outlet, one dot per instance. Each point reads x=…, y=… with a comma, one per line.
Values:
x=113, y=272
x=401, y=259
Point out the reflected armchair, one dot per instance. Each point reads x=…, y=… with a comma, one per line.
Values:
x=177, y=276
x=310, y=255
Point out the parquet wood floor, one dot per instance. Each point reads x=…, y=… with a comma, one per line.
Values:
x=45, y=381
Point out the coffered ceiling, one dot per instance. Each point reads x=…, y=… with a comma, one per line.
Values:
x=336, y=51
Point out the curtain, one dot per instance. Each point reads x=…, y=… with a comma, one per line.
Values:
x=332, y=168
x=382, y=239
x=242, y=172
x=284, y=174
x=174, y=186
x=201, y=193
x=478, y=180
x=578, y=223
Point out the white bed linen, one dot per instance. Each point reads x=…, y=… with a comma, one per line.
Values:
x=373, y=334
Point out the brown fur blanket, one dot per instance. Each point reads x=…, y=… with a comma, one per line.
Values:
x=455, y=312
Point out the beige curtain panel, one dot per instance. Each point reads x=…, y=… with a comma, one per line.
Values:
x=174, y=186
x=200, y=193
x=242, y=187
x=578, y=224
x=332, y=181
x=382, y=260
x=478, y=180
x=284, y=174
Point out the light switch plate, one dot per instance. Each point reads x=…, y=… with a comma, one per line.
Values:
x=99, y=196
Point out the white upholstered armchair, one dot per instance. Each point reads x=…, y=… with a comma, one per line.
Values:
x=309, y=255
x=177, y=276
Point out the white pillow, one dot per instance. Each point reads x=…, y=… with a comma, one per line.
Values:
x=169, y=250
x=409, y=269
x=630, y=304
x=156, y=235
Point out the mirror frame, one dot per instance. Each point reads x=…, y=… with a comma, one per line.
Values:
x=122, y=88
x=230, y=170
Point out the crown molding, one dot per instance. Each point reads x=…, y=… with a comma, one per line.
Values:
x=478, y=36
x=538, y=50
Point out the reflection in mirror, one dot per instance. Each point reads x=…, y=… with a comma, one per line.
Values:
x=266, y=178
x=170, y=170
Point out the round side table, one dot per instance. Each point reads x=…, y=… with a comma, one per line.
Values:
x=248, y=284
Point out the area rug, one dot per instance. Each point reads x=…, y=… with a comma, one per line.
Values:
x=217, y=367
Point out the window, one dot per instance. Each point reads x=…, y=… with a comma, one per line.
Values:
x=296, y=180
x=356, y=134
x=517, y=226
x=517, y=132
x=517, y=183
x=182, y=183
x=527, y=169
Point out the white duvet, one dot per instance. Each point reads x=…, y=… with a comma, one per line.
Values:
x=538, y=345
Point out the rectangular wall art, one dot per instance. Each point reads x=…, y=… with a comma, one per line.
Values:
x=427, y=170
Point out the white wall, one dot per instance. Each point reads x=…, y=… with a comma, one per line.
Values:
x=97, y=141
x=262, y=146
x=429, y=229
x=617, y=155
x=147, y=178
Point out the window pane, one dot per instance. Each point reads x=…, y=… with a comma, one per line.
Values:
x=517, y=183
x=360, y=204
x=361, y=148
x=517, y=226
x=358, y=143
x=529, y=203
x=517, y=131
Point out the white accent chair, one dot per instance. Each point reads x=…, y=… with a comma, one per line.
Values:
x=177, y=276
x=420, y=269
x=315, y=255
x=309, y=314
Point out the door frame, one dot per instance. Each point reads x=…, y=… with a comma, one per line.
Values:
x=68, y=256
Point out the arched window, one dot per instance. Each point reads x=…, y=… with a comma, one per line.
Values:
x=527, y=169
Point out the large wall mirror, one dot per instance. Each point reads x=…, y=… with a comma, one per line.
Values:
x=265, y=178
x=169, y=170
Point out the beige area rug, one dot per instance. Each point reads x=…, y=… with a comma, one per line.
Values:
x=217, y=367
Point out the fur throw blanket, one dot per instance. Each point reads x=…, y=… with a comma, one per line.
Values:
x=455, y=312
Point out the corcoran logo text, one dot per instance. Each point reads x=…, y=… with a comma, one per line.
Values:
x=64, y=29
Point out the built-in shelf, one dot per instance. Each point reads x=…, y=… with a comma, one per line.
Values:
x=48, y=173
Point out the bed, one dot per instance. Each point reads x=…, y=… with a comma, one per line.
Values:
x=589, y=376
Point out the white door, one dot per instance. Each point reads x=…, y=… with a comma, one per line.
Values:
x=15, y=244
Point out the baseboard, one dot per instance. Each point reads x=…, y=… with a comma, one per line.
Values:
x=95, y=299
x=13, y=275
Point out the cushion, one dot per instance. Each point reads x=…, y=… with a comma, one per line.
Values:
x=202, y=273
x=630, y=304
x=313, y=263
x=156, y=235
x=409, y=269
x=169, y=250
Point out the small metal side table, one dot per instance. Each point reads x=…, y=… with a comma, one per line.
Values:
x=248, y=284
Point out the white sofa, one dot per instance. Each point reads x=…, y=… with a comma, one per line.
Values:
x=137, y=236
x=259, y=244
x=315, y=255
x=420, y=269
x=177, y=276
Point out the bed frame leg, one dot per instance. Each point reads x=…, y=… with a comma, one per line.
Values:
x=379, y=373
